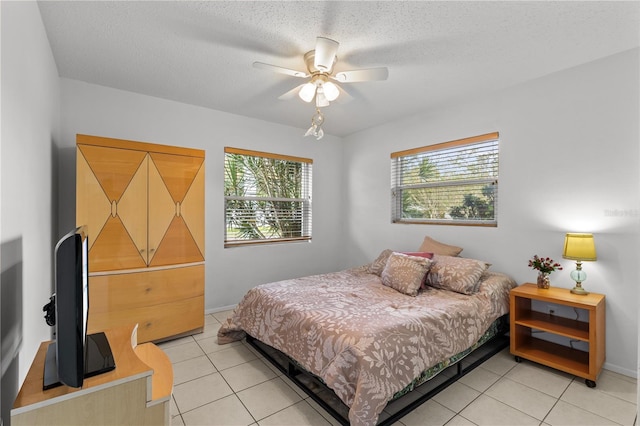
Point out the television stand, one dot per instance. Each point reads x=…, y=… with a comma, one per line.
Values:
x=137, y=391
x=99, y=359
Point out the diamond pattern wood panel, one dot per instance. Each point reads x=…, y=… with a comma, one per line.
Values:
x=113, y=168
x=116, y=178
x=92, y=208
x=164, y=210
x=177, y=171
x=134, y=204
x=177, y=174
x=192, y=209
x=132, y=209
x=114, y=239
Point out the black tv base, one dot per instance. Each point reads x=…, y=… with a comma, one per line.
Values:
x=98, y=360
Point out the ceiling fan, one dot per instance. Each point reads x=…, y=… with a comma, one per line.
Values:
x=320, y=63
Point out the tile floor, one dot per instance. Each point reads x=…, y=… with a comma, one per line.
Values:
x=232, y=385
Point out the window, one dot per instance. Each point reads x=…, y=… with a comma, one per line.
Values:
x=267, y=197
x=452, y=183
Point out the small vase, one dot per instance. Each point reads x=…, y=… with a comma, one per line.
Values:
x=543, y=280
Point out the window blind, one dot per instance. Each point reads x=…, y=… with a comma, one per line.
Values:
x=267, y=197
x=453, y=182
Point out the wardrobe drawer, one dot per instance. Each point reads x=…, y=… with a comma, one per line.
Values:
x=125, y=291
x=154, y=322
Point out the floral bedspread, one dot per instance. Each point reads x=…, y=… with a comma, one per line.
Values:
x=365, y=340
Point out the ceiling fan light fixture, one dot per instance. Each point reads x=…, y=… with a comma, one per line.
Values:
x=320, y=64
x=331, y=91
x=307, y=92
x=321, y=98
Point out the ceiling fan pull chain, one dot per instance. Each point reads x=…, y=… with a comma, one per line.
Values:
x=316, y=122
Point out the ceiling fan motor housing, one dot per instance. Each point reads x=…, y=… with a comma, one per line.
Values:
x=309, y=60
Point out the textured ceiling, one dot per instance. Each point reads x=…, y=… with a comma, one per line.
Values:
x=201, y=53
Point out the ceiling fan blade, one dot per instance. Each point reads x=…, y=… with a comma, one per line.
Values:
x=325, y=54
x=291, y=93
x=370, y=74
x=280, y=70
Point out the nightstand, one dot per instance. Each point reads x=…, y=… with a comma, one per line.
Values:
x=524, y=322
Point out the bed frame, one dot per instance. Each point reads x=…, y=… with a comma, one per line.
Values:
x=399, y=407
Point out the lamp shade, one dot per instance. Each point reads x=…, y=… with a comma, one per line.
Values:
x=307, y=92
x=579, y=247
x=331, y=91
x=321, y=99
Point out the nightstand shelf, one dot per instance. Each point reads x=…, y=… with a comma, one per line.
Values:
x=525, y=321
x=556, y=356
x=554, y=324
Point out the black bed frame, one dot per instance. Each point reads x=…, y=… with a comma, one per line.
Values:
x=396, y=408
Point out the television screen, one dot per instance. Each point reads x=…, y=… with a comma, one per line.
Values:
x=71, y=306
x=73, y=355
x=85, y=287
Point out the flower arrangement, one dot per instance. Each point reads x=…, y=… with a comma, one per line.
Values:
x=545, y=265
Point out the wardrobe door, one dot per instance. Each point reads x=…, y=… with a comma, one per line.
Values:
x=111, y=200
x=176, y=215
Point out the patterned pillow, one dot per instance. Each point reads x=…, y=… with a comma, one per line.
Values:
x=432, y=246
x=423, y=284
x=455, y=273
x=405, y=273
x=378, y=265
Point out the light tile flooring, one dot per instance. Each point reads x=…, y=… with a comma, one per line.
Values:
x=232, y=385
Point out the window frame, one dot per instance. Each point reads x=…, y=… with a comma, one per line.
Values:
x=444, y=148
x=305, y=199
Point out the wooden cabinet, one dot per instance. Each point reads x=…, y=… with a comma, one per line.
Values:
x=143, y=205
x=525, y=322
x=137, y=391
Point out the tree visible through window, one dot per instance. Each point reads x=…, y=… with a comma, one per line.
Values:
x=449, y=183
x=267, y=197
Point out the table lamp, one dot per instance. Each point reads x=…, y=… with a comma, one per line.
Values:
x=579, y=247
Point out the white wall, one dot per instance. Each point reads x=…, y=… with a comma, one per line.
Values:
x=585, y=119
x=30, y=123
x=100, y=111
x=569, y=161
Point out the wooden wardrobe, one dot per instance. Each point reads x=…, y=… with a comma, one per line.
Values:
x=143, y=205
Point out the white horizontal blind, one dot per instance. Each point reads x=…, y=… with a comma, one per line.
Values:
x=449, y=183
x=267, y=197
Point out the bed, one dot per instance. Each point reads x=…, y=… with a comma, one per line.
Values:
x=363, y=335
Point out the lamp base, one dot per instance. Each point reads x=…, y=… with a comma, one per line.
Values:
x=579, y=276
x=579, y=290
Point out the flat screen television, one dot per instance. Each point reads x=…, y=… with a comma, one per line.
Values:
x=74, y=355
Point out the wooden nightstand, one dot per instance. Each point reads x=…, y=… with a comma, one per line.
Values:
x=524, y=320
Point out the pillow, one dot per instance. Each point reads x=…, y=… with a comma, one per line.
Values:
x=405, y=273
x=378, y=265
x=418, y=254
x=423, y=284
x=455, y=273
x=432, y=246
